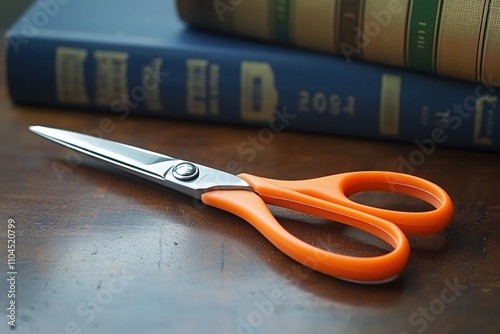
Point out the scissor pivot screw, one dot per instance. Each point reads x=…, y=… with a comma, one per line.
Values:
x=185, y=171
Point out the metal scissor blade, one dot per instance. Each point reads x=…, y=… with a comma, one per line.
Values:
x=146, y=164
x=132, y=158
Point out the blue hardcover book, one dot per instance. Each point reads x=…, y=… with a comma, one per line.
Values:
x=137, y=57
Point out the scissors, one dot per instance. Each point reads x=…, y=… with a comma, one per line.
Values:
x=246, y=196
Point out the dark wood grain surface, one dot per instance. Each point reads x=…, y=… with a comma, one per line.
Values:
x=100, y=251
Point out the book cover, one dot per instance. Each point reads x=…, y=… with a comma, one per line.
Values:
x=129, y=57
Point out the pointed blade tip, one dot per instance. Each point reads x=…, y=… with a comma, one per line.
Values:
x=38, y=129
x=53, y=134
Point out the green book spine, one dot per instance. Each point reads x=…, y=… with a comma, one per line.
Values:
x=423, y=28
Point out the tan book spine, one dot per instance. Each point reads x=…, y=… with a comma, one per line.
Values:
x=461, y=31
x=490, y=67
x=315, y=24
x=384, y=29
x=252, y=18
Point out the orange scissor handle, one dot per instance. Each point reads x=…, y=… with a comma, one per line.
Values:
x=252, y=208
x=328, y=197
x=337, y=189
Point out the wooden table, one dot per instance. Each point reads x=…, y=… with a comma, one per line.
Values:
x=99, y=251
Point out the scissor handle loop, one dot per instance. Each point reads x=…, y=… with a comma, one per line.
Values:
x=253, y=209
x=419, y=223
x=337, y=189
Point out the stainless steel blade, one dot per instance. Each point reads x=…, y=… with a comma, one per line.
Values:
x=184, y=176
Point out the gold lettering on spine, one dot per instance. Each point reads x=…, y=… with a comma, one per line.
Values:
x=111, y=78
x=151, y=83
x=485, y=114
x=70, y=75
x=390, y=104
x=196, y=86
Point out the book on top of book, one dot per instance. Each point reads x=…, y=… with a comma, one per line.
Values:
x=130, y=57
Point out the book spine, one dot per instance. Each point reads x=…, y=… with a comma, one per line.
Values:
x=268, y=87
x=458, y=39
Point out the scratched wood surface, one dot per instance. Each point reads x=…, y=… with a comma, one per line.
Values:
x=99, y=251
